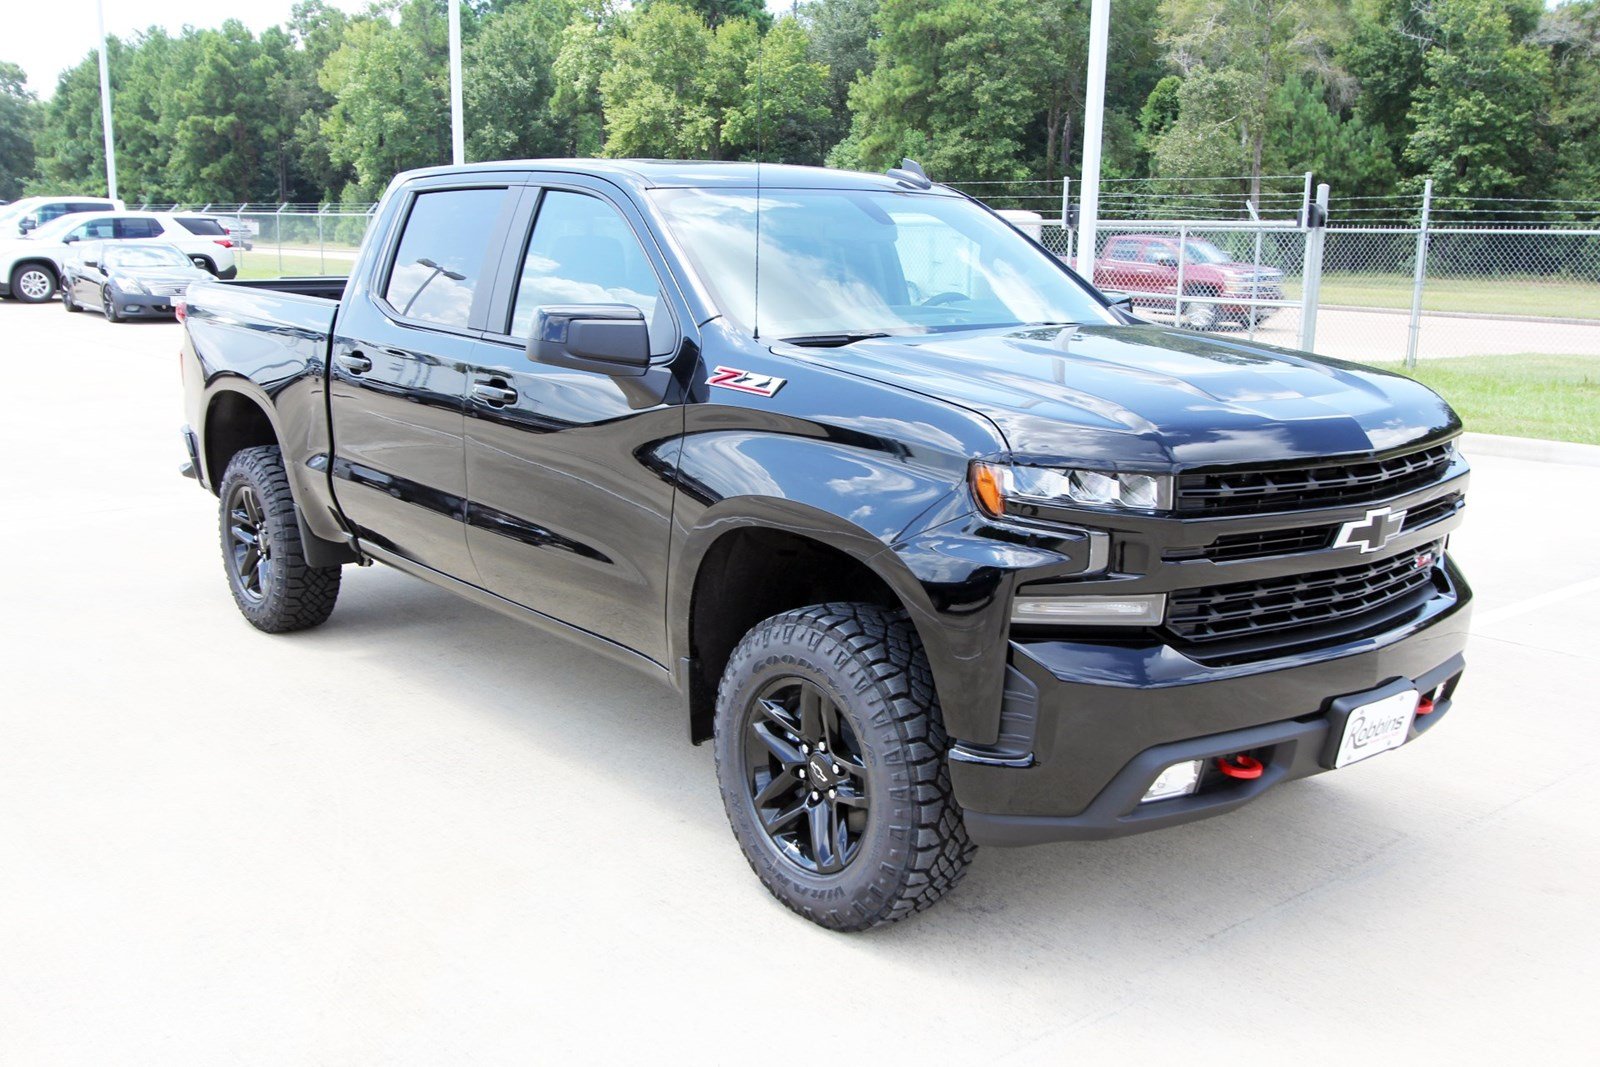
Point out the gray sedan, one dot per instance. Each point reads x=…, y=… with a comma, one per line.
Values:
x=126, y=279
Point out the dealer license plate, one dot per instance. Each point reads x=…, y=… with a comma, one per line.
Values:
x=1377, y=727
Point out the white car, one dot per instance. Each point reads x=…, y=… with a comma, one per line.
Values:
x=30, y=267
x=16, y=219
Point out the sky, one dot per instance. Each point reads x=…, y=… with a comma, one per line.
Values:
x=46, y=38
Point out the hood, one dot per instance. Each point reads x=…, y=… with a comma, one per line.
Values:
x=161, y=275
x=1148, y=395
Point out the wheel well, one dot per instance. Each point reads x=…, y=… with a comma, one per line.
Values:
x=753, y=574
x=205, y=263
x=233, y=422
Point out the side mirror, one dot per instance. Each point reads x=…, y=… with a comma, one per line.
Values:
x=603, y=338
x=1164, y=259
x=25, y=225
x=71, y=238
x=1122, y=302
x=92, y=263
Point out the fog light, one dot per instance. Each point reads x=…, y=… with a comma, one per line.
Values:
x=1147, y=610
x=1178, y=780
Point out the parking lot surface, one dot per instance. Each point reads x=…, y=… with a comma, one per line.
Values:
x=427, y=834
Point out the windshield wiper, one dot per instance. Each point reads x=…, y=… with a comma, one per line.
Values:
x=830, y=340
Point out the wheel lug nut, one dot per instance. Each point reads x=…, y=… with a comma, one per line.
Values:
x=832, y=793
x=815, y=795
x=805, y=750
x=835, y=768
x=822, y=746
x=801, y=772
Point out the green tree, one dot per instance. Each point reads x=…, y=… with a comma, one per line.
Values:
x=1572, y=32
x=584, y=55
x=19, y=120
x=509, y=82
x=226, y=122
x=390, y=85
x=1307, y=134
x=1234, y=55
x=1478, y=110
x=70, y=148
x=792, y=107
x=716, y=12
x=840, y=34
x=954, y=86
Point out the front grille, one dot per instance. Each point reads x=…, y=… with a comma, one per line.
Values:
x=1252, y=491
x=1285, y=608
x=1265, y=544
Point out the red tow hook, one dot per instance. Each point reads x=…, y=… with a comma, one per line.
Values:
x=1240, y=766
x=1425, y=706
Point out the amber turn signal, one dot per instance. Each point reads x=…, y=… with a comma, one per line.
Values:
x=986, y=488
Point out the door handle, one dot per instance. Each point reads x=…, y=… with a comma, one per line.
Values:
x=494, y=392
x=354, y=362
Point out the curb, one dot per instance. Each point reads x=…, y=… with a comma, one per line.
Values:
x=1554, y=320
x=1487, y=444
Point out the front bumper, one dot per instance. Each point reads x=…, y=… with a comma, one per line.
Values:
x=1107, y=718
x=143, y=305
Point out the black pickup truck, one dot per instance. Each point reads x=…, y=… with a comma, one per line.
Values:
x=938, y=546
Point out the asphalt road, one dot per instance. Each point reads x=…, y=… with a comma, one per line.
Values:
x=425, y=834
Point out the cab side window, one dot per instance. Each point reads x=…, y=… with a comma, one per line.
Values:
x=582, y=251
x=1124, y=250
x=95, y=230
x=442, y=251
x=131, y=229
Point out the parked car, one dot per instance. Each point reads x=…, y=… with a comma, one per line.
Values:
x=127, y=279
x=30, y=267
x=1145, y=266
x=934, y=547
x=215, y=226
x=34, y=211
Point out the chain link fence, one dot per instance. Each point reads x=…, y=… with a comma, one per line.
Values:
x=1401, y=277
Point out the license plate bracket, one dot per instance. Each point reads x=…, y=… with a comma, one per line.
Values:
x=1363, y=725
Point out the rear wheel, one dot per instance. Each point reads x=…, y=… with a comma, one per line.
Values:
x=262, y=554
x=831, y=760
x=1201, y=315
x=33, y=284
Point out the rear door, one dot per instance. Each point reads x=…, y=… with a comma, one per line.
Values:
x=405, y=337
x=570, y=512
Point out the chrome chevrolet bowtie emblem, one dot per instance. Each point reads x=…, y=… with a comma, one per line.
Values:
x=1371, y=532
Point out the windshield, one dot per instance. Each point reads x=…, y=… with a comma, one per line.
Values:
x=145, y=256
x=1206, y=252
x=868, y=261
x=57, y=227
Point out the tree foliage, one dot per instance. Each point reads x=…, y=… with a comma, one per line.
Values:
x=1492, y=98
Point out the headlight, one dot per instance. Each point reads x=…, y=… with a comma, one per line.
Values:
x=1010, y=489
x=128, y=285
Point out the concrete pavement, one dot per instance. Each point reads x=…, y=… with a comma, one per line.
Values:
x=426, y=834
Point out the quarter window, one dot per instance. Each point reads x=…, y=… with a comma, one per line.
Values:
x=582, y=251
x=135, y=229
x=441, y=256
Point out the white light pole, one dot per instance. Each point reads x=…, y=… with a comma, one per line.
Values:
x=1093, y=122
x=105, y=106
x=458, y=149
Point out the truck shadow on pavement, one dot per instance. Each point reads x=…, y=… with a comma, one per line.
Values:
x=1154, y=895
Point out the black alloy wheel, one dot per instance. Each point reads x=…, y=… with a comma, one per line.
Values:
x=806, y=776
x=108, y=305
x=249, y=543
x=830, y=752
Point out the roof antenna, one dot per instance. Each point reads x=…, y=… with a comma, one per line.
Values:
x=757, y=309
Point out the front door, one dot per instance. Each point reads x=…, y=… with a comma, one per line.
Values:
x=569, y=513
x=406, y=335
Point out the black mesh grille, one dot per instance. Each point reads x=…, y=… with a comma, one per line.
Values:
x=1284, y=607
x=1267, y=543
x=1243, y=492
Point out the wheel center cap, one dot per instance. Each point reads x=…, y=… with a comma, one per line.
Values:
x=820, y=770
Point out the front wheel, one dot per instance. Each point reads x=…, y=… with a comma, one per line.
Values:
x=33, y=284
x=830, y=753
x=262, y=553
x=1201, y=316
x=108, y=305
x=67, y=301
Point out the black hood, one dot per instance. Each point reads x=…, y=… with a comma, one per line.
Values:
x=1148, y=395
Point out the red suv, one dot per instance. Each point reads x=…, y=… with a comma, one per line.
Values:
x=1145, y=266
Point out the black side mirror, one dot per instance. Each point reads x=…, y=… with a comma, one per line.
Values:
x=1122, y=302
x=604, y=338
x=25, y=225
x=71, y=238
x=93, y=264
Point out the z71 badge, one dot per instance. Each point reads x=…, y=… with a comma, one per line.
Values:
x=746, y=381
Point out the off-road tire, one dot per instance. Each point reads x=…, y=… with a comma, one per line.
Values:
x=289, y=595
x=870, y=664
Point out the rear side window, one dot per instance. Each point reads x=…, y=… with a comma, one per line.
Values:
x=133, y=229
x=202, y=227
x=1124, y=250
x=96, y=229
x=442, y=251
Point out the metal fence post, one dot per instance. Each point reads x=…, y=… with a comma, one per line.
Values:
x=277, y=231
x=1419, y=276
x=322, y=259
x=1311, y=292
x=1255, y=286
x=1066, y=216
x=1183, y=257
